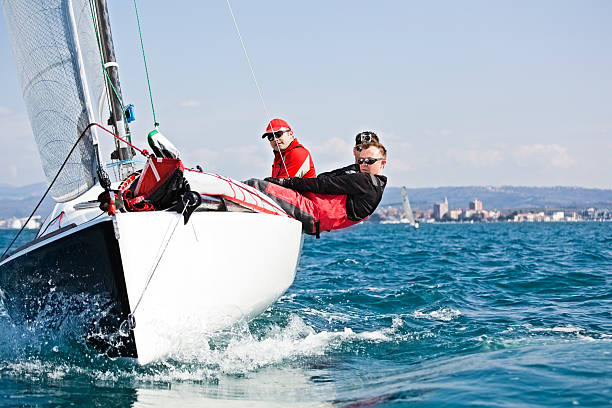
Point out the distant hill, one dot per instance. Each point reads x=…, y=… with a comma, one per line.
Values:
x=31, y=190
x=504, y=197
x=20, y=201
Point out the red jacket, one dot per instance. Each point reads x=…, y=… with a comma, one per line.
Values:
x=297, y=159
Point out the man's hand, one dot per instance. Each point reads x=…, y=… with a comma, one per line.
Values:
x=275, y=180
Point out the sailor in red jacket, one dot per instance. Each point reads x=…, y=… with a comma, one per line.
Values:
x=291, y=159
x=335, y=199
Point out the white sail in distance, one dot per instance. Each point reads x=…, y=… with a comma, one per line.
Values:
x=58, y=64
x=407, y=210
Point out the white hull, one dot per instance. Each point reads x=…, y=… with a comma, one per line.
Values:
x=180, y=282
x=218, y=269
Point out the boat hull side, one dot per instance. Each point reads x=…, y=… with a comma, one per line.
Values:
x=218, y=269
x=55, y=276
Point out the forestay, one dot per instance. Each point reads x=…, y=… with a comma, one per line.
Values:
x=58, y=64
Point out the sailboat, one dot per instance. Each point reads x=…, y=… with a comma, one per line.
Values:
x=407, y=215
x=157, y=282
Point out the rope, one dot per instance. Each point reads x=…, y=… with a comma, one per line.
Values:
x=144, y=58
x=255, y=80
x=161, y=255
x=48, y=188
x=143, y=152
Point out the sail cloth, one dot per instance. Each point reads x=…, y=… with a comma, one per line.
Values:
x=58, y=64
x=407, y=210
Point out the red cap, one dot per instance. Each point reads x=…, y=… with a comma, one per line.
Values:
x=276, y=125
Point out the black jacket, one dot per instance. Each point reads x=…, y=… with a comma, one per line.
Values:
x=363, y=190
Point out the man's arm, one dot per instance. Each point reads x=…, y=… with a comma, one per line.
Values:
x=353, y=184
x=351, y=168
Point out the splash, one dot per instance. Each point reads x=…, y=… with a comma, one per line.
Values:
x=443, y=314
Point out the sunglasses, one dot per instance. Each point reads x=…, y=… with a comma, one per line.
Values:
x=274, y=135
x=369, y=160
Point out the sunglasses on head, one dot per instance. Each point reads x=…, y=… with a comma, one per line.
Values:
x=275, y=135
x=369, y=160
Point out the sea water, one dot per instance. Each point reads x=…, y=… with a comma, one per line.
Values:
x=379, y=316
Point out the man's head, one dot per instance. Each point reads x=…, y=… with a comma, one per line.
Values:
x=363, y=137
x=372, y=158
x=279, y=134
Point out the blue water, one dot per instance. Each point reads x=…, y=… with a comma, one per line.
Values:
x=379, y=316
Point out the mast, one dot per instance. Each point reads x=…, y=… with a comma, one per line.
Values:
x=113, y=86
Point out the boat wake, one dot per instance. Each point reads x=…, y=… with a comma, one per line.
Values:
x=54, y=346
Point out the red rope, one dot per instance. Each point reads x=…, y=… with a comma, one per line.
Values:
x=143, y=152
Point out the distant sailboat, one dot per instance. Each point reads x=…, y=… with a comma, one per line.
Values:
x=407, y=215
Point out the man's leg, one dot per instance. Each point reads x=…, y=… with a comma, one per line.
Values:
x=293, y=203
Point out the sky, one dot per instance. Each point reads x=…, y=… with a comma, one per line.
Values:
x=460, y=93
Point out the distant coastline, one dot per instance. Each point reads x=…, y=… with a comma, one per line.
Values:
x=503, y=197
x=495, y=204
x=18, y=202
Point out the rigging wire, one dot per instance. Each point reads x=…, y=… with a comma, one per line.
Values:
x=161, y=252
x=144, y=152
x=104, y=67
x=48, y=189
x=263, y=102
x=144, y=58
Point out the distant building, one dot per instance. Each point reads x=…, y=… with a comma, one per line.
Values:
x=494, y=214
x=558, y=216
x=476, y=205
x=454, y=214
x=467, y=213
x=440, y=209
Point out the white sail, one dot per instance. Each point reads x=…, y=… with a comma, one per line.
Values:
x=58, y=64
x=407, y=210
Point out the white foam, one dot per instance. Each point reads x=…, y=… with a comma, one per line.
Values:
x=443, y=314
x=238, y=351
x=557, y=329
x=330, y=316
x=241, y=352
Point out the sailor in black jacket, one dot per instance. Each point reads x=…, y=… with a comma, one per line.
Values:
x=335, y=199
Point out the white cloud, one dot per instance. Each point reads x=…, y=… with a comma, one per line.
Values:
x=331, y=154
x=191, y=103
x=543, y=155
x=4, y=111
